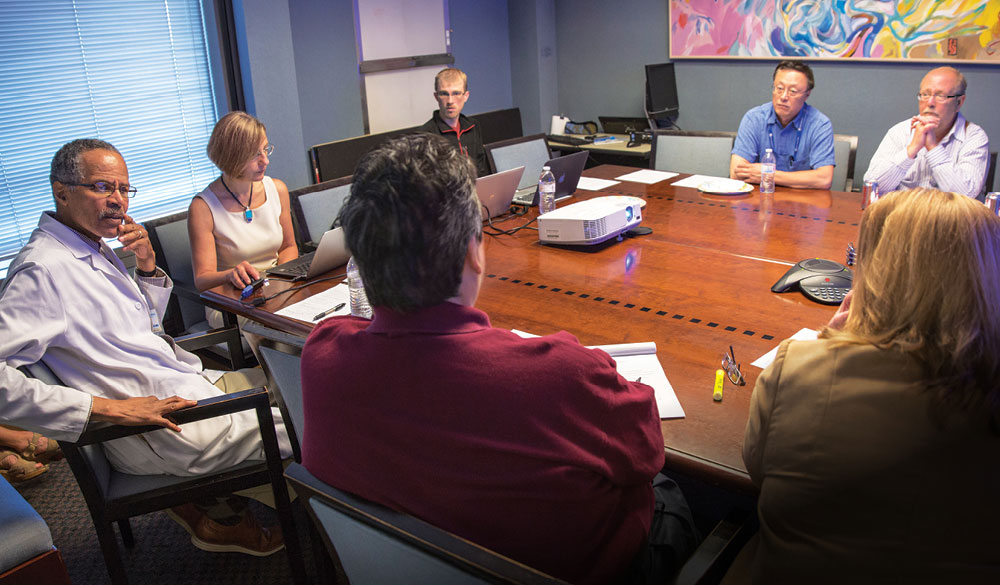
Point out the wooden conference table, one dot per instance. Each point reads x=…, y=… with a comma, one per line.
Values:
x=697, y=285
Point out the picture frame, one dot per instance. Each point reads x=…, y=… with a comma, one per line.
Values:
x=877, y=30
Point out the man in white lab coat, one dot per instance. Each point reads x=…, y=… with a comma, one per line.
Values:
x=69, y=302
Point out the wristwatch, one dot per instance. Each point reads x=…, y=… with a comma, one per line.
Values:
x=147, y=274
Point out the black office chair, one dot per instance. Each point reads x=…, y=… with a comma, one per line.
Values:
x=281, y=357
x=698, y=153
x=991, y=170
x=378, y=546
x=845, y=151
x=530, y=152
x=314, y=209
x=498, y=125
x=186, y=310
x=114, y=497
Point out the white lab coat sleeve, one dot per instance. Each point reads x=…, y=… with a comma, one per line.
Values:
x=31, y=316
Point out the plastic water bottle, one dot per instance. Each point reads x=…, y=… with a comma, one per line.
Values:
x=359, y=299
x=767, y=172
x=546, y=191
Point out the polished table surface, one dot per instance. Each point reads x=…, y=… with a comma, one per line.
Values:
x=696, y=285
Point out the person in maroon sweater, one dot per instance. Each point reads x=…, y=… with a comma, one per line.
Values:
x=535, y=448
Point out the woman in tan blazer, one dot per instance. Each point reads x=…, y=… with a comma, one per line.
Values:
x=876, y=447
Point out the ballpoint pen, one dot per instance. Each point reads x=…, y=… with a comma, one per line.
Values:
x=327, y=312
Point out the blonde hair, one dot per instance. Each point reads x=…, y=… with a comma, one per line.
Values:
x=928, y=284
x=451, y=74
x=235, y=140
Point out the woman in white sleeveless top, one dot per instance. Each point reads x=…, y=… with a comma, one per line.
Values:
x=241, y=224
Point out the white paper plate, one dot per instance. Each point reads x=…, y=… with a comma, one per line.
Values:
x=627, y=200
x=725, y=187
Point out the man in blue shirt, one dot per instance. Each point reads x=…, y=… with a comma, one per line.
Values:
x=800, y=136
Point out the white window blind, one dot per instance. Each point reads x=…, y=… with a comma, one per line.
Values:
x=134, y=73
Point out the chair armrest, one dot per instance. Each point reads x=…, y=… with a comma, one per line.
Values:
x=203, y=339
x=712, y=558
x=205, y=409
x=187, y=290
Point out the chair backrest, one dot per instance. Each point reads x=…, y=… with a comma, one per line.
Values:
x=172, y=245
x=990, y=174
x=281, y=360
x=169, y=236
x=845, y=151
x=530, y=152
x=378, y=546
x=499, y=124
x=622, y=125
x=333, y=160
x=314, y=208
x=699, y=153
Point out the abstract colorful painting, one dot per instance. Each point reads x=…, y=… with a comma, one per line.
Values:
x=923, y=30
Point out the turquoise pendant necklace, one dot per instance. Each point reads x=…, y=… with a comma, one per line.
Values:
x=247, y=212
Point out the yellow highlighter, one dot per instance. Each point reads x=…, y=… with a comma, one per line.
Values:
x=720, y=376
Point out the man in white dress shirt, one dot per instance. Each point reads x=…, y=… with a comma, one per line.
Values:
x=68, y=301
x=938, y=147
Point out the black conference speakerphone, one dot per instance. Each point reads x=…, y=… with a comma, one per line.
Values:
x=823, y=281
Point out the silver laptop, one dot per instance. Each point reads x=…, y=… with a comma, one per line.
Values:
x=331, y=253
x=496, y=191
x=567, y=170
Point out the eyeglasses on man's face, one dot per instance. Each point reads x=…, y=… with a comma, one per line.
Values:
x=791, y=92
x=732, y=368
x=445, y=94
x=926, y=97
x=105, y=188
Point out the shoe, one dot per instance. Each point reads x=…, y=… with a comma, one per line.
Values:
x=49, y=454
x=188, y=516
x=15, y=469
x=247, y=537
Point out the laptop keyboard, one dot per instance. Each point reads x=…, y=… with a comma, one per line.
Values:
x=525, y=196
x=297, y=267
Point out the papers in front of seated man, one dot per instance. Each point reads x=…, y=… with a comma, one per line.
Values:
x=322, y=305
x=647, y=176
x=638, y=361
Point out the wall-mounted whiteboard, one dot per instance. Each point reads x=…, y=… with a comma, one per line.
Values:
x=401, y=28
x=400, y=99
x=397, y=30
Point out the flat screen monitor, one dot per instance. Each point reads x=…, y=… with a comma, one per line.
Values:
x=661, y=90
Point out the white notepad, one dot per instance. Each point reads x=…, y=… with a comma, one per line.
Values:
x=638, y=361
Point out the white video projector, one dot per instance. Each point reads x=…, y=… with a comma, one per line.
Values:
x=590, y=222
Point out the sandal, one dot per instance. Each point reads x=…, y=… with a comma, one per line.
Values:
x=51, y=452
x=17, y=469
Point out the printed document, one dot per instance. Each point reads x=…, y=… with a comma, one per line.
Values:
x=324, y=302
x=638, y=362
x=647, y=176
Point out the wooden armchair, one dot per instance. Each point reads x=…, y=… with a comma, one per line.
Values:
x=114, y=497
